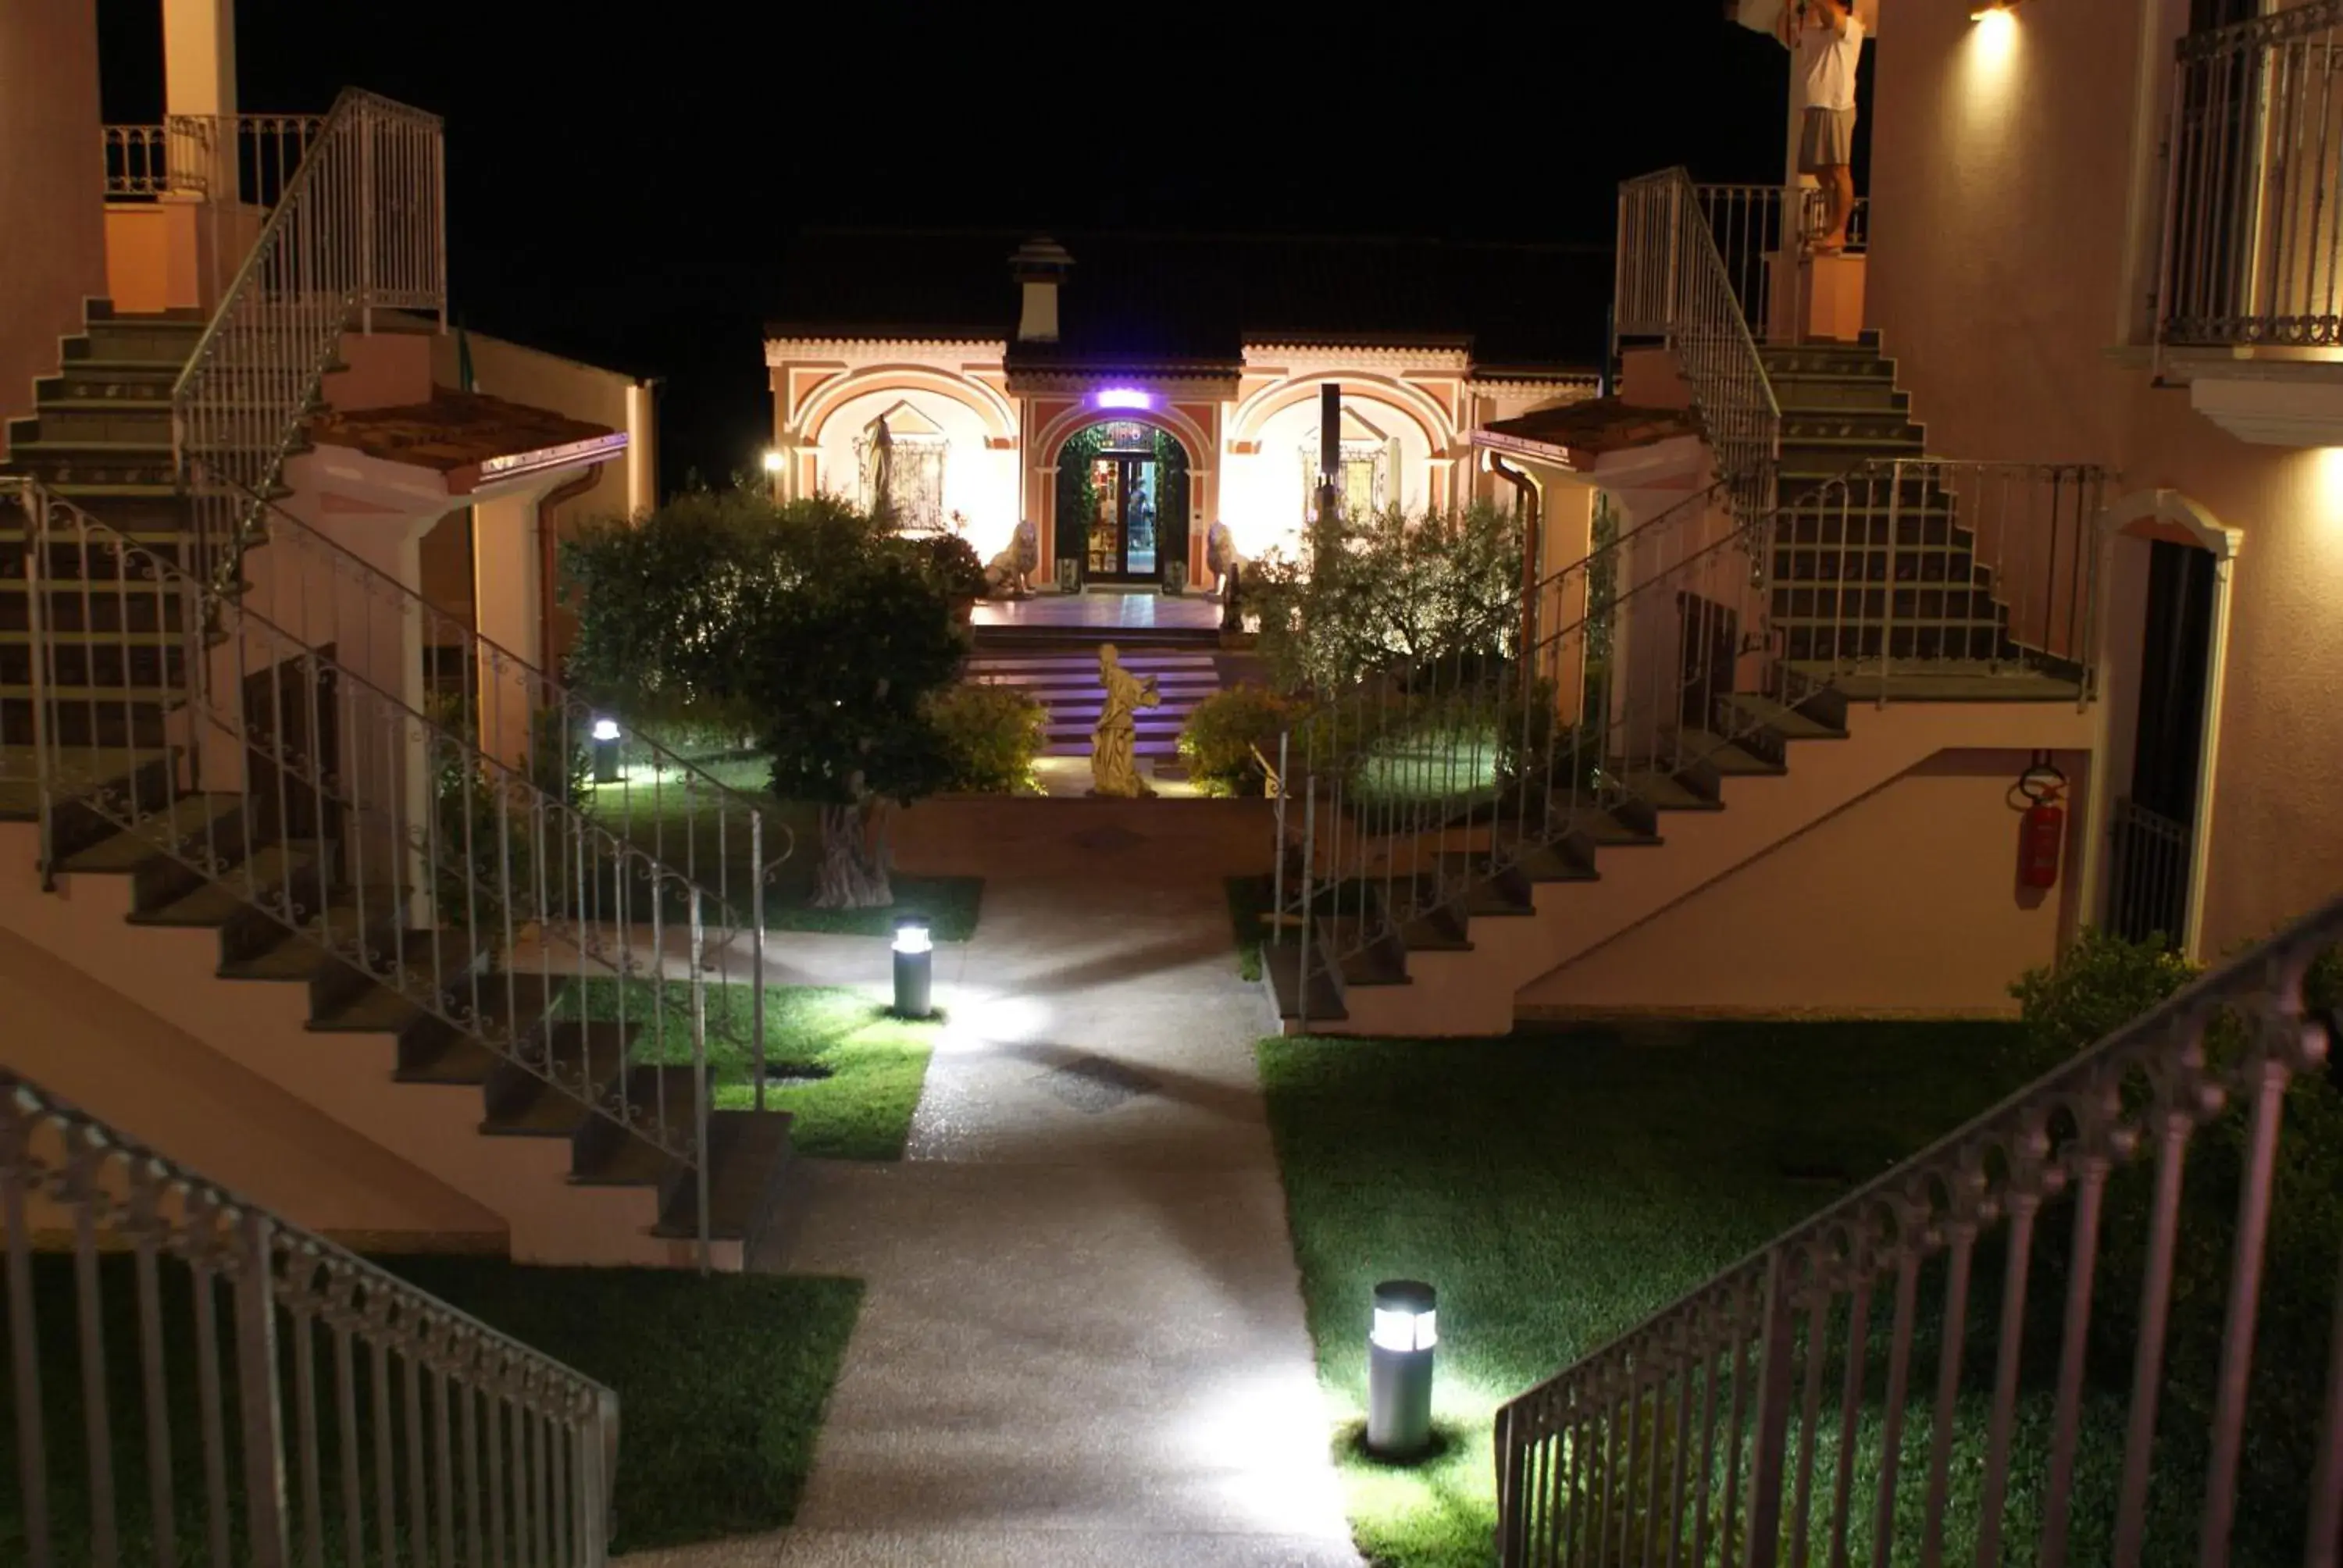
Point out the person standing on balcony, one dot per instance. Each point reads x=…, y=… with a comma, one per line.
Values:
x=1828, y=41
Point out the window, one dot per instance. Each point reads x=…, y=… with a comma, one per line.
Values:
x=899, y=461
x=1364, y=478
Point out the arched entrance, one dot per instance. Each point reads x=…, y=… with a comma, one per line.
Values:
x=1123, y=500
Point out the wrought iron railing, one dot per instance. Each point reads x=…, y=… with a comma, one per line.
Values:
x=1690, y=637
x=292, y=1403
x=488, y=894
x=2252, y=214
x=1673, y=286
x=360, y=227
x=1745, y=221
x=2147, y=875
x=2107, y=1407
x=241, y=158
x=720, y=839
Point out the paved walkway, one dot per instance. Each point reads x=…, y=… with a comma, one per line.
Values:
x=1082, y=1342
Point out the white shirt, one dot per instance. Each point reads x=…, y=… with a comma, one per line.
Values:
x=1827, y=65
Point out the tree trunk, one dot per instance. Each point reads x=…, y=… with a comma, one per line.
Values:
x=853, y=871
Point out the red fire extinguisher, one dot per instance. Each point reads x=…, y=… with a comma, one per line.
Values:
x=2041, y=829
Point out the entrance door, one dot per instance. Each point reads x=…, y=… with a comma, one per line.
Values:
x=1123, y=486
x=2152, y=827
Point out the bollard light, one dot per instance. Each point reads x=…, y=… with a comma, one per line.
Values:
x=1399, y=1369
x=915, y=963
x=606, y=752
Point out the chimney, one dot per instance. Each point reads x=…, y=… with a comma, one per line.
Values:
x=1039, y=265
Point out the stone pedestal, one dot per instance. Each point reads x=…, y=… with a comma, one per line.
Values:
x=1814, y=298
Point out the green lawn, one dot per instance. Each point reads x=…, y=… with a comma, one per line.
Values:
x=721, y=1384
x=875, y=1062
x=688, y=828
x=1556, y=1188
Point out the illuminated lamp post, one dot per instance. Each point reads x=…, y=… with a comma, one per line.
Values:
x=1399, y=1369
x=915, y=968
x=606, y=752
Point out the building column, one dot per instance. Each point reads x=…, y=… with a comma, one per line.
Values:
x=508, y=610
x=199, y=56
x=642, y=451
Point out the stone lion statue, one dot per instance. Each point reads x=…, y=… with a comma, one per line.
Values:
x=1221, y=554
x=1010, y=574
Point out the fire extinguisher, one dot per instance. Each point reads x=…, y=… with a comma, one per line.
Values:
x=2042, y=828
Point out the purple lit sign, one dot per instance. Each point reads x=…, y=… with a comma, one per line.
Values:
x=1124, y=398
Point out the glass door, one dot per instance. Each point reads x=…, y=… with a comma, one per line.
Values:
x=1122, y=519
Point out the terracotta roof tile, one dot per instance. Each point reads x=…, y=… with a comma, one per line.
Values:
x=1578, y=433
x=457, y=432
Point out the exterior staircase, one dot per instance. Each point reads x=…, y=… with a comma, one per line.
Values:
x=236, y=912
x=1874, y=637
x=1060, y=672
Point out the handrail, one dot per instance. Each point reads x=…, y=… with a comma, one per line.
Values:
x=356, y=790
x=515, y=708
x=1672, y=283
x=69, y=1180
x=208, y=156
x=1717, y=1374
x=360, y=227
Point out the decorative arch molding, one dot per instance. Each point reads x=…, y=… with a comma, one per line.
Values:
x=1439, y=431
x=1000, y=417
x=1053, y=435
x=2173, y=518
x=2162, y=511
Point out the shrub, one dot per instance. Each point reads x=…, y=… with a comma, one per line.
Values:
x=991, y=735
x=952, y=562
x=1220, y=735
x=1387, y=591
x=2099, y=985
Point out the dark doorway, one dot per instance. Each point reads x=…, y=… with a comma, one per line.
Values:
x=2153, y=825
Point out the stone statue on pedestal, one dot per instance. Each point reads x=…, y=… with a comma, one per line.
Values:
x=1010, y=574
x=1115, y=739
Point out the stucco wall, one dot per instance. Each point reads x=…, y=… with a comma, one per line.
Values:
x=162, y=1087
x=1906, y=903
x=1264, y=495
x=979, y=484
x=2012, y=199
x=52, y=188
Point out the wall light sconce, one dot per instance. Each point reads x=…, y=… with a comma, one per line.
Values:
x=1124, y=398
x=1993, y=8
x=1399, y=1369
x=915, y=963
x=772, y=461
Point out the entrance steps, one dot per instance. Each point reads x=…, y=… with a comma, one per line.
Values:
x=1065, y=682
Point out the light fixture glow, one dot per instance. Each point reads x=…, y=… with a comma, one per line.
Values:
x=915, y=969
x=910, y=936
x=605, y=729
x=772, y=461
x=1402, y=1330
x=1124, y=398
x=2002, y=8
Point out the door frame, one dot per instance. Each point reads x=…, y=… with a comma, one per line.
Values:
x=1126, y=461
x=2169, y=515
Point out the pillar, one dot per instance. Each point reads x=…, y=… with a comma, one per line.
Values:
x=199, y=56
x=508, y=609
x=642, y=451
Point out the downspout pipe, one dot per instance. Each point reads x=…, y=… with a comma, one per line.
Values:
x=549, y=556
x=1530, y=547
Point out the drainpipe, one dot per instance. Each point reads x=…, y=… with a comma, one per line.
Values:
x=548, y=559
x=1529, y=509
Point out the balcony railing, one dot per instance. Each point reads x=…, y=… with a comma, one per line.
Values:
x=2253, y=212
x=196, y=1379
x=238, y=158
x=2096, y=1324
x=1745, y=221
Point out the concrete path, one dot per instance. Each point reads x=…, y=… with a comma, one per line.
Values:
x=1082, y=1342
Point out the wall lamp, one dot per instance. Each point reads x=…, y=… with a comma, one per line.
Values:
x=1993, y=8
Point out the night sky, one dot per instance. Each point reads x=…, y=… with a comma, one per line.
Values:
x=621, y=178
